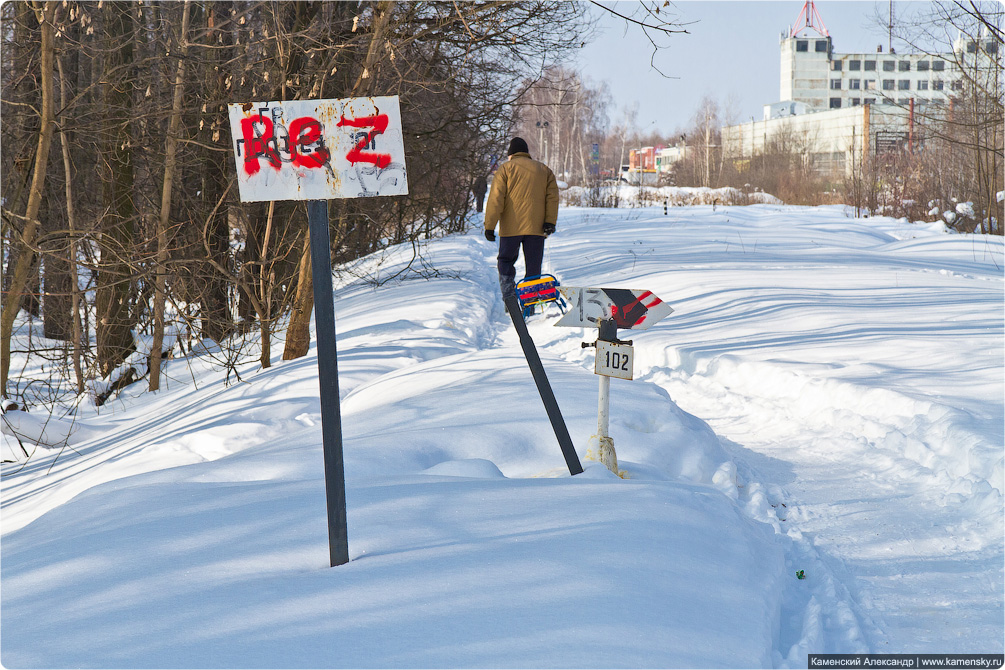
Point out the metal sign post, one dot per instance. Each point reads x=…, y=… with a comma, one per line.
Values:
x=331, y=415
x=316, y=150
x=543, y=386
x=610, y=309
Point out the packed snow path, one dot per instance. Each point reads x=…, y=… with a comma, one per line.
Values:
x=854, y=368
x=851, y=373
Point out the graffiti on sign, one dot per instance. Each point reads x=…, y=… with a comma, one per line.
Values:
x=319, y=149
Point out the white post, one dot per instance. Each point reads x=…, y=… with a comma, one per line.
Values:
x=604, y=406
x=602, y=442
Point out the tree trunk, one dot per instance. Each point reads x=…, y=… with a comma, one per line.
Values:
x=55, y=266
x=170, y=162
x=217, y=322
x=298, y=333
x=76, y=331
x=45, y=13
x=116, y=226
x=266, y=278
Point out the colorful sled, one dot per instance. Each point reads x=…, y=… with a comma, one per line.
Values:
x=538, y=290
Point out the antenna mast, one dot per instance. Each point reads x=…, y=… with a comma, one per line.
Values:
x=809, y=17
x=889, y=46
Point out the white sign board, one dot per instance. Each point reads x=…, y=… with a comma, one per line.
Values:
x=614, y=360
x=318, y=149
x=628, y=308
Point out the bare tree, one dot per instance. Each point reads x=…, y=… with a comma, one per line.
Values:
x=44, y=13
x=968, y=132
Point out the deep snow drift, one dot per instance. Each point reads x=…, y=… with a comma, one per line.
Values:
x=826, y=397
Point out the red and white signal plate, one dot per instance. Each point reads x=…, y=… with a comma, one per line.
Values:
x=628, y=308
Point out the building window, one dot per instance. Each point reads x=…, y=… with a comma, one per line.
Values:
x=923, y=85
x=855, y=102
x=971, y=47
x=904, y=66
x=957, y=85
x=870, y=101
x=821, y=46
x=903, y=102
x=870, y=84
x=938, y=85
x=836, y=65
x=904, y=85
x=835, y=103
x=887, y=84
x=835, y=84
x=855, y=65
x=939, y=65
x=992, y=47
x=854, y=84
x=870, y=66
x=889, y=65
x=922, y=65
x=802, y=45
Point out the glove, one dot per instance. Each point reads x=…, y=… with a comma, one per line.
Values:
x=490, y=235
x=548, y=229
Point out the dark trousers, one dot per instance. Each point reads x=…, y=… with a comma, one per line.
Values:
x=509, y=251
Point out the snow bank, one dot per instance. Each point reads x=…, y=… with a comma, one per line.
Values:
x=826, y=399
x=676, y=196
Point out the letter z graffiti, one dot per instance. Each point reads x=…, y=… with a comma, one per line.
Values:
x=377, y=125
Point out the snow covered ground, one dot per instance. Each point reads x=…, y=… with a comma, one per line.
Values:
x=827, y=397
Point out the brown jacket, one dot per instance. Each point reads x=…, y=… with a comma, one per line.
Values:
x=523, y=198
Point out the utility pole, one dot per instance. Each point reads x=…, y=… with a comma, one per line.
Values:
x=542, y=154
x=708, y=161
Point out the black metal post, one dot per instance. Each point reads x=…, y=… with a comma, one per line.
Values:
x=331, y=417
x=543, y=386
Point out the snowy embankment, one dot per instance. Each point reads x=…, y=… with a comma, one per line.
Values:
x=843, y=380
x=626, y=195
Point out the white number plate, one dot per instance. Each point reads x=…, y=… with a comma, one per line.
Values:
x=614, y=360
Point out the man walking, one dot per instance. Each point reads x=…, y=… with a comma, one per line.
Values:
x=524, y=202
x=478, y=188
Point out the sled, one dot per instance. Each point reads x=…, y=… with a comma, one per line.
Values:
x=539, y=290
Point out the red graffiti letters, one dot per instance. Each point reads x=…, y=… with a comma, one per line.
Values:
x=305, y=132
x=259, y=144
x=377, y=124
x=303, y=143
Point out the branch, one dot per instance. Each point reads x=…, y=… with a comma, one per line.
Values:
x=663, y=27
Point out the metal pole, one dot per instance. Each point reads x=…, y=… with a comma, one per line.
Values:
x=604, y=408
x=602, y=440
x=331, y=419
x=543, y=386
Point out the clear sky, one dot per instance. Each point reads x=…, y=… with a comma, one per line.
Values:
x=731, y=50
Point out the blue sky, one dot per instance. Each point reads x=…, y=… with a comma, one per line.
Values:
x=731, y=50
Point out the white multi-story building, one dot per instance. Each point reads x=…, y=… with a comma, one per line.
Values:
x=813, y=74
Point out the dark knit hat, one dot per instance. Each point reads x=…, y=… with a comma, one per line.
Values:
x=517, y=145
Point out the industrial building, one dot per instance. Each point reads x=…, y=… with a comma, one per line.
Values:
x=837, y=109
x=814, y=75
x=831, y=143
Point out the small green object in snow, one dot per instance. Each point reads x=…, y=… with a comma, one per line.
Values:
x=800, y=574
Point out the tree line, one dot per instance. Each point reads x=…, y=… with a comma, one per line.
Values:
x=119, y=199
